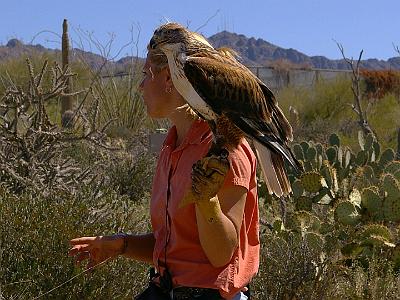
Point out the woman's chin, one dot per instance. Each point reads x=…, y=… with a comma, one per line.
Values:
x=155, y=115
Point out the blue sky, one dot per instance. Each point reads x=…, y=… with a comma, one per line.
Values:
x=309, y=26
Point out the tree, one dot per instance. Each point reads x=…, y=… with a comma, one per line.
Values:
x=356, y=88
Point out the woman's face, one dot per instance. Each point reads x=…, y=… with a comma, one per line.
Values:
x=156, y=90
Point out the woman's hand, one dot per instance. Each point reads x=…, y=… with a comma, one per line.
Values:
x=96, y=249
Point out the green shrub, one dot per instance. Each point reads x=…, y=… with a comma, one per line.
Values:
x=34, y=235
x=322, y=109
x=327, y=108
x=384, y=119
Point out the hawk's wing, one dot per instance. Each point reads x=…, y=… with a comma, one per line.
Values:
x=233, y=90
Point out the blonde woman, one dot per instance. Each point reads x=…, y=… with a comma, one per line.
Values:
x=195, y=257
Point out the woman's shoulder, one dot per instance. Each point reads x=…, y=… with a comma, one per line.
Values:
x=243, y=164
x=243, y=152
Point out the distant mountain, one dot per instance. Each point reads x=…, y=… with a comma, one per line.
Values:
x=252, y=51
x=260, y=52
x=15, y=48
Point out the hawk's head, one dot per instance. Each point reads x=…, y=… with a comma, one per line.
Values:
x=170, y=33
x=174, y=33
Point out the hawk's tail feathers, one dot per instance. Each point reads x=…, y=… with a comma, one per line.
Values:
x=272, y=167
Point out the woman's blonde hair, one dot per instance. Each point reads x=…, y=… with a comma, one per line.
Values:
x=160, y=61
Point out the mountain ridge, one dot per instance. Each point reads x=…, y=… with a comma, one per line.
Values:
x=252, y=52
x=260, y=52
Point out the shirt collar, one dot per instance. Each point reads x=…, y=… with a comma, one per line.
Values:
x=199, y=130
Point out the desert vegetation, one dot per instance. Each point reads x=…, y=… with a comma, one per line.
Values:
x=336, y=237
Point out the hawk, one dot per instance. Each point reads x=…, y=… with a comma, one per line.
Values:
x=219, y=89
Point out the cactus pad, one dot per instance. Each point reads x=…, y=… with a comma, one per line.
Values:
x=387, y=157
x=362, y=158
x=334, y=140
x=312, y=181
x=304, y=145
x=391, y=204
x=394, y=169
x=303, y=221
x=331, y=154
x=347, y=213
x=352, y=250
x=376, y=230
x=391, y=185
x=311, y=153
x=304, y=203
x=315, y=241
x=297, y=189
x=298, y=152
x=368, y=172
x=371, y=201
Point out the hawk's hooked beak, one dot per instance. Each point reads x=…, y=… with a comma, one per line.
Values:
x=156, y=42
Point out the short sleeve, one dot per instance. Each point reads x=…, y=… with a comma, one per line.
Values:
x=241, y=167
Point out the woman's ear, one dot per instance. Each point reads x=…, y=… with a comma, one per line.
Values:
x=168, y=80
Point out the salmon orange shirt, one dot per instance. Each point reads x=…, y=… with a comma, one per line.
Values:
x=185, y=258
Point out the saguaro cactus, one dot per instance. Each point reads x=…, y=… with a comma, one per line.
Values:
x=398, y=145
x=66, y=100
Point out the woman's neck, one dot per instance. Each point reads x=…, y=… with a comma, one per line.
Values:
x=182, y=122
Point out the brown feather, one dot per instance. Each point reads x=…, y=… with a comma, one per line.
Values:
x=228, y=87
x=229, y=132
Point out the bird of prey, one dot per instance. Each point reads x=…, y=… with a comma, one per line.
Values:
x=231, y=98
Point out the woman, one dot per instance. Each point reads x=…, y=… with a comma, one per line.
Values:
x=195, y=253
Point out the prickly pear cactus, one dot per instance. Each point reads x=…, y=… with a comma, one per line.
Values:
x=359, y=193
x=394, y=169
x=391, y=203
x=372, y=202
x=304, y=203
x=347, y=213
x=312, y=182
x=376, y=235
x=303, y=221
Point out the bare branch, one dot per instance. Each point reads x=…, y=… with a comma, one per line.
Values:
x=208, y=20
x=31, y=147
x=357, y=93
x=397, y=49
x=44, y=31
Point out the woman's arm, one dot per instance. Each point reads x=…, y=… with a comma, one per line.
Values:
x=99, y=248
x=140, y=247
x=219, y=216
x=219, y=238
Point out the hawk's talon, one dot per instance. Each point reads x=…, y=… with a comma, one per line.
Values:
x=208, y=176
